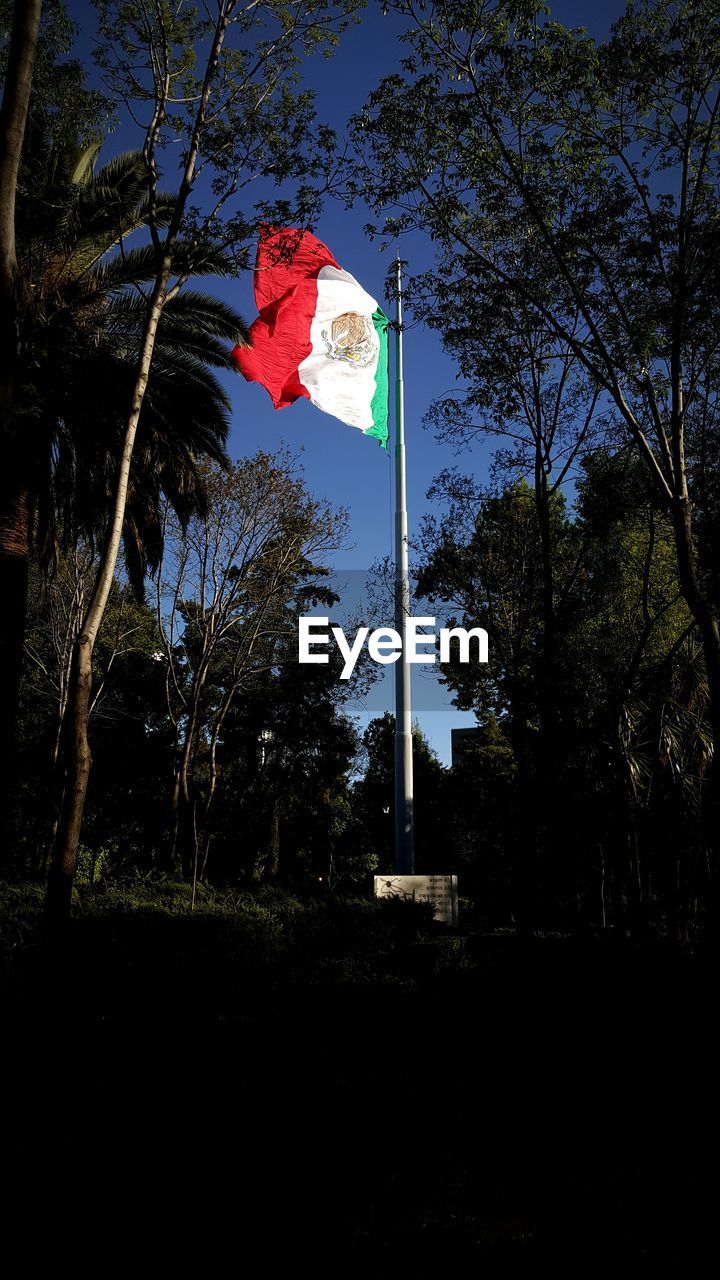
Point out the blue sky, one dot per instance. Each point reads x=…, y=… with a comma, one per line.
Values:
x=338, y=462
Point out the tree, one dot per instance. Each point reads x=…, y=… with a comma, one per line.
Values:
x=233, y=107
x=289, y=747
x=480, y=807
x=629, y=698
x=375, y=795
x=634, y=637
x=87, y=320
x=229, y=591
x=483, y=561
x=582, y=179
x=81, y=334
x=81, y=328
x=13, y=118
x=127, y=650
x=35, y=53
x=62, y=105
x=523, y=387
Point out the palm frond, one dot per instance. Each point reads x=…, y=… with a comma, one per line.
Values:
x=187, y=314
x=139, y=266
x=77, y=163
x=89, y=327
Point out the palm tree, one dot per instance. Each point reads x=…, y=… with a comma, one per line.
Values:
x=79, y=339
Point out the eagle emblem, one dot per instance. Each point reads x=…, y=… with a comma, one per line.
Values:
x=350, y=338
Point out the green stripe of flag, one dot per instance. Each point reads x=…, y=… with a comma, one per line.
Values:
x=379, y=404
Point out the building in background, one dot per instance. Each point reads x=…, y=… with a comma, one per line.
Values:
x=463, y=740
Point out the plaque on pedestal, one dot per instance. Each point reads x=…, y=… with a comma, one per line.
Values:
x=442, y=890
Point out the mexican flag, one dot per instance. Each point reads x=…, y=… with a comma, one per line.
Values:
x=318, y=334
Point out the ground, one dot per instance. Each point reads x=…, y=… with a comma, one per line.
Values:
x=339, y=1083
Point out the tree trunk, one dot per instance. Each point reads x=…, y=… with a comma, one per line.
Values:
x=62, y=870
x=14, y=497
x=710, y=634
x=187, y=851
x=79, y=759
x=272, y=861
x=550, y=820
x=547, y=705
x=14, y=559
x=171, y=857
x=65, y=852
x=13, y=119
x=523, y=828
x=185, y=801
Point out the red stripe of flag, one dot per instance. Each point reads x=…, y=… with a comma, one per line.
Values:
x=285, y=281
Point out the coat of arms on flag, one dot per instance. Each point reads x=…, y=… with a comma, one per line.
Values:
x=318, y=334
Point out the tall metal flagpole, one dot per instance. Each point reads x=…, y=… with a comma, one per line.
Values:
x=404, y=850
